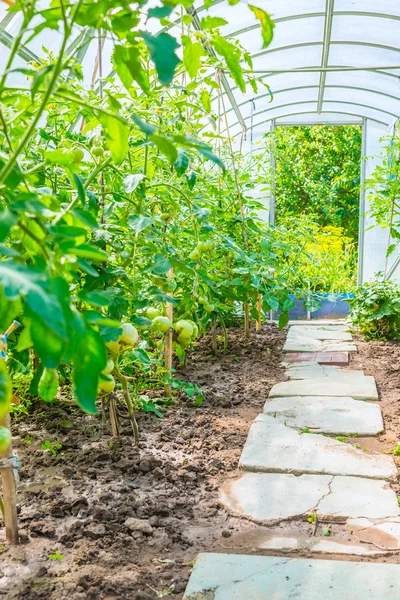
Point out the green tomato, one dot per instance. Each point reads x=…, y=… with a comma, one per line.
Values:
x=98, y=151
x=183, y=329
x=195, y=329
x=106, y=385
x=195, y=255
x=109, y=367
x=98, y=141
x=152, y=313
x=202, y=300
x=166, y=217
x=129, y=335
x=79, y=155
x=206, y=245
x=114, y=346
x=5, y=438
x=184, y=342
x=209, y=307
x=160, y=324
x=168, y=287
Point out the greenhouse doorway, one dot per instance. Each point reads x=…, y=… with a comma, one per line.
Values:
x=317, y=191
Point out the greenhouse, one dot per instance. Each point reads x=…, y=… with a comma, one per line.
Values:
x=199, y=299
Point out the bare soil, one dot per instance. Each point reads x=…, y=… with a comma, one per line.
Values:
x=102, y=521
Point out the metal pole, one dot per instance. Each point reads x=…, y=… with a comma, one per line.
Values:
x=361, y=228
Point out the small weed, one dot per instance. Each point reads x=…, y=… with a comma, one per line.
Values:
x=356, y=445
x=306, y=430
x=398, y=500
x=3, y=549
x=312, y=518
x=395, y=451
x=166, y=592
x=53, y=447
x=28, y=439
x=341, y=438
x=236, y=358
x=327, y=530
x=56, y=556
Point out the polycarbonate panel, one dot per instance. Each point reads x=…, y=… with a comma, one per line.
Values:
x=362, y=56
x=262, y=106
x=319, y=119
x=369, y=113
x=306, y=31
x=290, y=58
x=367, y=80
x=382, y=103
x=279, y=9
x=366, y=29
x=385, y=7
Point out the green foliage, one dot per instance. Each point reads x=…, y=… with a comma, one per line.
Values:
x=375, y=310
x=318, y=175
x=53, y=447
x=384, y=194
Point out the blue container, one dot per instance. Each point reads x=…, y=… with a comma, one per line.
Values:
x=328, y=310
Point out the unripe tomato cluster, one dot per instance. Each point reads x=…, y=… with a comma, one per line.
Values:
x=127, y=339
x=201, y=248
x=185, y=331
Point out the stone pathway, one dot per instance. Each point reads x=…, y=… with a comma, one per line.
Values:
x=294, y=473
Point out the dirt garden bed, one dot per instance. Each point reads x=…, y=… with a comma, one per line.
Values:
x=100, y=522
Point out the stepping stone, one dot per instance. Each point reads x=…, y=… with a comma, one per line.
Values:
x=382, y=534
x=313, y=370
x=302, y=344
x=318, y=545
x=325, y=414
x=273, y=447
x=323, y=358
x=239, y=577
x=319, y=333
x=360, y=388
x=269, y=498
x=332, y=324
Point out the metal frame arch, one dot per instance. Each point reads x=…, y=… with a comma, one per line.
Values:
x=306, y=87
x=313, y=112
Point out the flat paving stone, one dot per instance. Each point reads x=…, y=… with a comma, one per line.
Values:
x=316, y=545
x=274, y=448
x=325, y=414
x=241, y=577
x=333, y=323
x=322, y=358
x=313, y=370
x=361, y=388
x=382, y=534
x=319, y=333
x=302, y=344
x=269, y=498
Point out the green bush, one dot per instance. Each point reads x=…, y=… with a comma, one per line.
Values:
x=375, y=310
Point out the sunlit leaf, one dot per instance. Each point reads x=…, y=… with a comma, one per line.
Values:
x=162, y=51
x=267, y=25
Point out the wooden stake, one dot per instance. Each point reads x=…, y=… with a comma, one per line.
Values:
x=259, y=312
x=7, y=474
x=113, y=418
x=168, y=349
x=214, y=337
x=9, y=492
x=246, y=320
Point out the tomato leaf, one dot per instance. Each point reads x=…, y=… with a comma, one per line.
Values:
x=232, y=56
x=192, y=53
x=88, y=364
x=162, y=51
x=129, y=66
x=117, y=135
x=48, y=384
x=267, y=24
